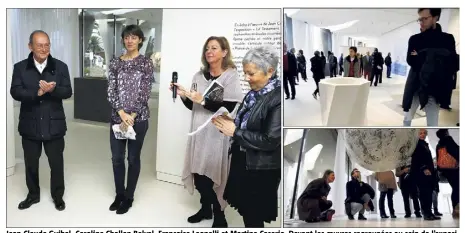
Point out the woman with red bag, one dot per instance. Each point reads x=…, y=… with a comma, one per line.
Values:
x=448, y=164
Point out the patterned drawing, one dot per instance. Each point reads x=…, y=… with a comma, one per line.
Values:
x=380, y=149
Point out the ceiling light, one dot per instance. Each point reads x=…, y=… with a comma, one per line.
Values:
x=338, y=27
x=119, y=11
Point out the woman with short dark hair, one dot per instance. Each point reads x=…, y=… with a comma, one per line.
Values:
x=130, y=79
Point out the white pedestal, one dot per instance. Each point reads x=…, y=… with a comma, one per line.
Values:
x=344, y=101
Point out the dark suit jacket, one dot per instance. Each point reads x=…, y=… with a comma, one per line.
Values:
x=41, y=117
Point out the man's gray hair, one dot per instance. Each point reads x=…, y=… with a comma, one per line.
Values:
x=264, y=57
x=31, y=37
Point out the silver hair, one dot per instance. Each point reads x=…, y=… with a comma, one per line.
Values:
x=264, y=57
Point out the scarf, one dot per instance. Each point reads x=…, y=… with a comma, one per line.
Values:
x=250, y=100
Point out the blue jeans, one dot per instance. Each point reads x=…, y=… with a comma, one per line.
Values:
x=388, y=71
x=431, y=109
x=118, y=153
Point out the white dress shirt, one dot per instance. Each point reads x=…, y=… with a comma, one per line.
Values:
x=40, y=66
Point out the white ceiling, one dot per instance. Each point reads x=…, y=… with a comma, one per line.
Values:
x=372, y=22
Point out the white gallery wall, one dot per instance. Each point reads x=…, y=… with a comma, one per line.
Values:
x=325, y=160
x=10, y=128
x=306, y=37
x=184, y=33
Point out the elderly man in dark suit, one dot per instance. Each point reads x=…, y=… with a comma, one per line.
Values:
x=40, y=83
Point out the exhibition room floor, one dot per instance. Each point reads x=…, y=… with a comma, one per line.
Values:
x=375, y=222
x=383, y=109
x=90, y=189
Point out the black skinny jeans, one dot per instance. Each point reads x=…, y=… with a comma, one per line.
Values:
x=208, y=197
x=453, y=177
x=382, y=198
x=118, y=152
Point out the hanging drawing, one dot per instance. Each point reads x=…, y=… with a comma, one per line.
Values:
x=380, y=149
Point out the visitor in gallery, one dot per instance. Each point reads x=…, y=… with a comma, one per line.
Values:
x=359, y=56
x=341, y=64
x=377, y=68
x=388, y=63
x=448, y=152
x=313, y=204
x=387, y=185
x=318, y=72
x=409, y=190
x=302, y=65
x=436, y=191
x=323, y=63
x=422, y=171
x=332, y=65
x=290, y=72
x=352, y=64
x=206, y=161
x=41, y=83
x=359, y=196
x=130, y=79
x=367, y=65
x=432, y=54
x=255, y=152
x=292, y=51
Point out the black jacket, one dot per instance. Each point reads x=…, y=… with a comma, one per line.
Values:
x=41, y=117
x=262, y=138
x=388, y=61
x=432, y=68
x=317, y=67
x=377, y=61
x=421, y=160
x=302, y=63
x=354, y=191
x=292, y=62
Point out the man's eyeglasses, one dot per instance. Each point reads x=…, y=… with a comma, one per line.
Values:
x=423, y=19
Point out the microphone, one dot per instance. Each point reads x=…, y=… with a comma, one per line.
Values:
x=174, y=79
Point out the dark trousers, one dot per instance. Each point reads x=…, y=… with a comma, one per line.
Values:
x=382, y=198
x=54, y=151
x=208, y=196
x=303, y=72
x=453, y=177
x=341, y=69
x=333, y=71
x=425, y=185
x=388, y=71
x=252, y=222
x=410, y=191
x=289, y=80
x=118, y=152
x=376, y=76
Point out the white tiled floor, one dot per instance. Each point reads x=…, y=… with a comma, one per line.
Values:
x=90, y=188
x=304, y=111
x=375, y=222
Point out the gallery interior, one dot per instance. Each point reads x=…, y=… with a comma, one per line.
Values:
x=336, y=30
x=86, y=40
x=309, y=153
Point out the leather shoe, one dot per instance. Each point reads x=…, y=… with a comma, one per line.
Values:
x=59, y=205
x=28, y=203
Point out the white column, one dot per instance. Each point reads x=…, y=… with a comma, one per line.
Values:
x=338, y=191
x=10, y=128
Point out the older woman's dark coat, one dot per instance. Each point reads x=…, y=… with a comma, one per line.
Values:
x=308, y=204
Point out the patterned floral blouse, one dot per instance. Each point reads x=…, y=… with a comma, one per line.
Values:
x=129, y=87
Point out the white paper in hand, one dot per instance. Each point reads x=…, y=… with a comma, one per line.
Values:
x=119, y=134
x=221, y=111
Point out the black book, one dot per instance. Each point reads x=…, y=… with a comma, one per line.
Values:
x=214, y=92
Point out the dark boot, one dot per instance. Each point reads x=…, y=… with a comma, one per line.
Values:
x=361, y=217
x=219, y=220
x=28, y=202
x=126, y=204
x=437, y=213
x=116, y=203
x=204, y=213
